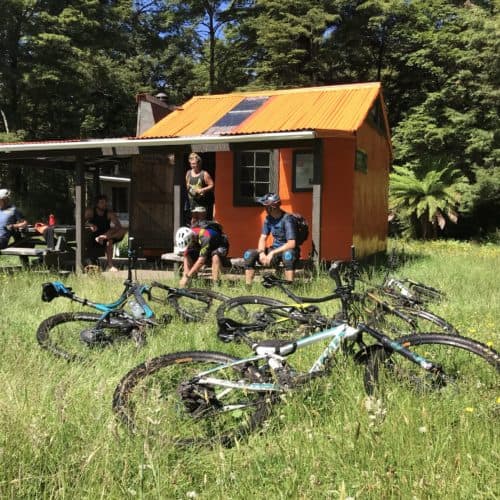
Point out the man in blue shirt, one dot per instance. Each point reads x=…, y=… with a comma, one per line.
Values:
x=11, y=219
x=283, y=248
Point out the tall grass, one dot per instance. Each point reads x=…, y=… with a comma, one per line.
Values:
x=59, y=439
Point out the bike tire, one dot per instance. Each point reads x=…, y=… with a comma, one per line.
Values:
x=264, y=317
x=148, y=400
x=61, y=334
x=198, y=306
x=470, y=380
x=410, y=320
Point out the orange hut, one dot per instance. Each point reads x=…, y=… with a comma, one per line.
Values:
x=325, y=150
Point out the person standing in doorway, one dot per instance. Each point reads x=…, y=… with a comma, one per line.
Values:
x=199, y=186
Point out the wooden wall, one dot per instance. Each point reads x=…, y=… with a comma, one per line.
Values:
x=370, y=209
x=151, y=203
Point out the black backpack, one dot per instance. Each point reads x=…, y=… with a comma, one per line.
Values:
x=211, y=224
x=302, y=228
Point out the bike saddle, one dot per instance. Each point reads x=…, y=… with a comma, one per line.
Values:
x=228, y=329
x=55, y=289
x=270, y=280
x=275, y=346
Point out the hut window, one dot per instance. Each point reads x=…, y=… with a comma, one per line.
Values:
x=361, y=161
x=376, y=117
x=303, y=170
x=255, y=175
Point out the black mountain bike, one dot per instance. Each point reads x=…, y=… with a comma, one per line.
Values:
x=266, y=317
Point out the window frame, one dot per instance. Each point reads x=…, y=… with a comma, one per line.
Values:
x=311, y=166
x=361, y=161
x=242, y=201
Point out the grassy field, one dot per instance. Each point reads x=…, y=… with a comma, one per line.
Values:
x=59, y=438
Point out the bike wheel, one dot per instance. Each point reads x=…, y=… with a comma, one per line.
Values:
x=469, y=380
x=410, y=321
x=74, y=336
x=164, y=396
x=263, y=317
x=196, y=304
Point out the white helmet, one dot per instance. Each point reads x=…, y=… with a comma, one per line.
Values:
x=184, y=237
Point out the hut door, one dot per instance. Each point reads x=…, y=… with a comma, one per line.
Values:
x=151, y=204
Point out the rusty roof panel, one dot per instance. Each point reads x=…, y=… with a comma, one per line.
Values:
x=195, y=116
x=340, y=108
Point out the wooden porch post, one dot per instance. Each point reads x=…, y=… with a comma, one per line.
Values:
x=79, y=214
x=316, y=196
x=179, y=180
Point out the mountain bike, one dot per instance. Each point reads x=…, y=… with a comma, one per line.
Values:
x=203, y=397
x=75, y=335
x=406, y=291
x=269, y=317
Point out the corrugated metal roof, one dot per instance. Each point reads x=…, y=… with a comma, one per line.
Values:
x=335, y=108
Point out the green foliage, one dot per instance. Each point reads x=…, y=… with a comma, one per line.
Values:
x=423, y=197
x=71, y=69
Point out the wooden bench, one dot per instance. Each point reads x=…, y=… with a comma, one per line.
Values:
x=237, y=264
x=23, y=252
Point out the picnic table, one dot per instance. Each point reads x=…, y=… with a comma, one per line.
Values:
x=56, y=249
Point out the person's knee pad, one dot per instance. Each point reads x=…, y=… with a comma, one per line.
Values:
x=220, y=252
x=250, y=258
x=288, y=258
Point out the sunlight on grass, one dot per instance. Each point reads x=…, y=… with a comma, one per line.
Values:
x=60, y=439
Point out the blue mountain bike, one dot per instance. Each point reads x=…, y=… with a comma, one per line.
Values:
x=76, y=335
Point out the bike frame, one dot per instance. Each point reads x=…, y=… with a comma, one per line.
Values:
x=338, y=334
x=131, y=289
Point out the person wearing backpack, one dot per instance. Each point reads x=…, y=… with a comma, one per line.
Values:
x=284, y=248
x=203, y=243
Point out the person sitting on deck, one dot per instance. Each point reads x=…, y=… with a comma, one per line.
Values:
x=106, y=229
x=202, y=245
x=284, y=247
x=11, y=219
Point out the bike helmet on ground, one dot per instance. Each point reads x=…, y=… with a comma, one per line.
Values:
x=270, y=200
x=184, y=237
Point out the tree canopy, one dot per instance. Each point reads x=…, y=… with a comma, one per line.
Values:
x=71, y=68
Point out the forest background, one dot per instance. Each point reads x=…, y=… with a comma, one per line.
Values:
x=71, y=69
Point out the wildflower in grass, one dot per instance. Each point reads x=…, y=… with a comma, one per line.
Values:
x=489, y=343
x=469, y=409
x=375, y=409
x=498, y=400
x=192, y=494
x=422, y=429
